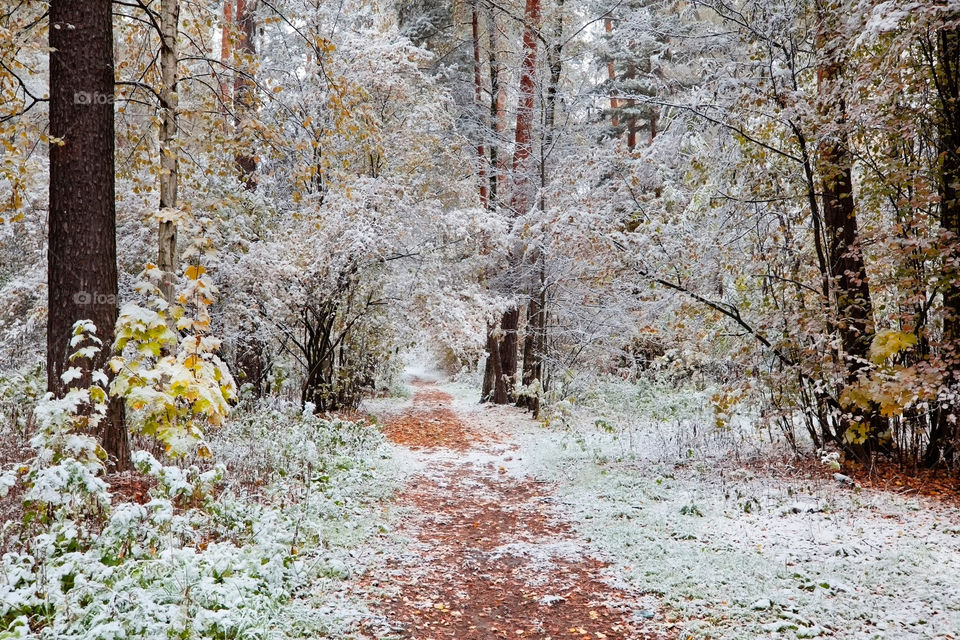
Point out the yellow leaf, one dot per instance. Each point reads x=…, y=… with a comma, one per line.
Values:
x=193, y=272
x=890, y=342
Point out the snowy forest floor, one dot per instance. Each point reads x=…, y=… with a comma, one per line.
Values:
x=507, y=529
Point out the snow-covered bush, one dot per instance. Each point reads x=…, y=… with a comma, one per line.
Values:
x=206, y=555
x=167, y=368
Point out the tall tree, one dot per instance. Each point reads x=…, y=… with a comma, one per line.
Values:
x=535, y=336
x=82, y=252
x=521, y=194
x=498, y=108
x=850, y=289
x=635, y=43
x=169, y=144
x=244, y=91
x=478, y=97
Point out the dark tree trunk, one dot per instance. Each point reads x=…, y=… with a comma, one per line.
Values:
x=521, y=192
x=850, y=290
x=534, y=343
x=492, y=369
x=503, y=388
x=535, y=337
x=252, y=361
x=498, y=109
x=82, y=252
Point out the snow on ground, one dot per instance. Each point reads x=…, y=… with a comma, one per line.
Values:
x=745, y=554
x=735, y=551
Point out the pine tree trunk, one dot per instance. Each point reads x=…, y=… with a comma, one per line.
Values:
x=533, y=343
x=521, y=193
x=535, y=337
x=612, y=76
x=169, y=144
x=522, y=187
x=503, y=388
x=492, y=369
x=82, y=251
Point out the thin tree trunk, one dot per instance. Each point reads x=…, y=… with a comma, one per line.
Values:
x=498, y=111
x=492, y=370
x=612, y=76
x=82, y=251
x=478, y=99
x=631, y=74
x=226, y=54
x=243, y=89
x=169, y=145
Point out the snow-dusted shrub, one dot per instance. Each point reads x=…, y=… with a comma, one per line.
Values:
x=19, y=388
x=167, y=368
x=204, y=556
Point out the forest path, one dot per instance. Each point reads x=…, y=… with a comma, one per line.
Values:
x=491, y=557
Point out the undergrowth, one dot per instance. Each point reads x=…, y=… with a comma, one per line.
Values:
x=253, y=544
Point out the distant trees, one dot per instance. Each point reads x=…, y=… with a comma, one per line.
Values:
x=940, y=52
x=815, y=197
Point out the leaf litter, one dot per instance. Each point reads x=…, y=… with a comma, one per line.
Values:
x=489, y=554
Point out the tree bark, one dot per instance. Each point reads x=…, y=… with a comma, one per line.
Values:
x=503, y=389
x=521, y=193
x=523, y=142
x=478, y=99
x=492, y=369
x=850, y=289
x=82, y=252
x=169, y=144
x=243, y=90
x=535, y=336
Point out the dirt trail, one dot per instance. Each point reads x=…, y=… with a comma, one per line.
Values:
x=492, y=559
